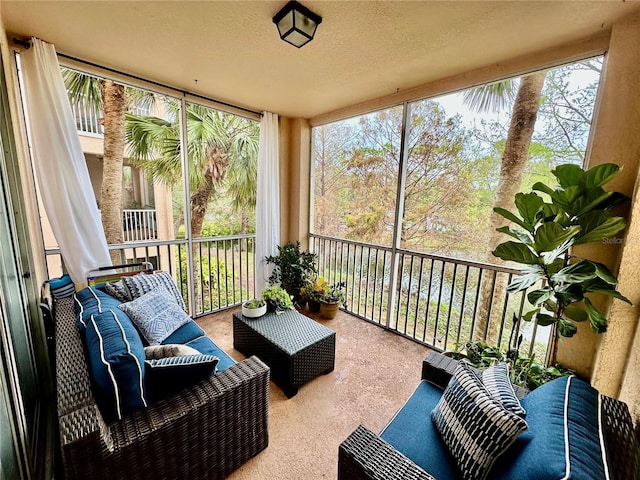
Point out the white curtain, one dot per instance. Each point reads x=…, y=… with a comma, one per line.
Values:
x=60, y=166
x=268, y=199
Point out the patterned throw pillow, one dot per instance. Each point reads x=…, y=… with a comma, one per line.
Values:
x=142, y=283
x=156, y=315
x=475, y=427
x=118, y=290
x=61, y=287
x=155, y=352
x=496, y=379
x=169, y=375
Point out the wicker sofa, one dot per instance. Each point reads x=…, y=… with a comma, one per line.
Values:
x=205, y=431
x=366, y=455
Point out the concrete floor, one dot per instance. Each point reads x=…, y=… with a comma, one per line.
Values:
x=375, y=372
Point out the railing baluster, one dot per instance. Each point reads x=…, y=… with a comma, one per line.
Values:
x=453, y=291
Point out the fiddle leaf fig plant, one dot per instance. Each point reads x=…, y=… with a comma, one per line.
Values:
x=549, y=221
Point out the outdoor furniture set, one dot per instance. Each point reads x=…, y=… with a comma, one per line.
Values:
x=140, y=384
x=118, y=415
x=444, y=429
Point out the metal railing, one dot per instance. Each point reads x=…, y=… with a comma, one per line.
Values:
x=439, y=301
x=223, y=267
x=87, y=119
x=139, y=225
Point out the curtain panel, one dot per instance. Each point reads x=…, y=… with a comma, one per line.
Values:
x=60, y=166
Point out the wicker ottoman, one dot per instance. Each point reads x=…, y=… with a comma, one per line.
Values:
x=296, y=347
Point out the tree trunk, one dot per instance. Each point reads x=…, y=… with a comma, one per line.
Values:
x=114, y=107
x=213, y=176
x=514, y=159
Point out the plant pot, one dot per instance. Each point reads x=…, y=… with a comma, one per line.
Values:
x=329, y=310
x=254, y=312
x=314, y=306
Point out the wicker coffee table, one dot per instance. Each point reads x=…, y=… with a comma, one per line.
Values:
x=296, y=347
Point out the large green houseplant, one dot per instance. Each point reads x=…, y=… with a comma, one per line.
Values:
x=548, y=223
x=293, y=268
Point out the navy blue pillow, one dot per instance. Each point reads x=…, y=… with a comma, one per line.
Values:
x=168, y=375
x=90, y=301
x=563, y=424
x=116, y=359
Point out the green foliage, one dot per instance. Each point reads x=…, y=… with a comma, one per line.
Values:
x=523, y=369
x=549, y=222
x=293, y=268
x=254, y=303
x=334, y=293
x=277, y=299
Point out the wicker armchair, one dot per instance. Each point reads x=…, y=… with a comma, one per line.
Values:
x=206, y=431
x=366, y=456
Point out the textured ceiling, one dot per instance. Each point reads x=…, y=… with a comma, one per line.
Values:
x=230, y=50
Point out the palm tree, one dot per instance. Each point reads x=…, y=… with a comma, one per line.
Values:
x=514, y=159
x=218, y=144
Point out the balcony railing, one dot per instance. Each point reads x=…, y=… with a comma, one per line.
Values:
x=87, y=119
x=224, y=274
x=439, y=301
x=139, y=225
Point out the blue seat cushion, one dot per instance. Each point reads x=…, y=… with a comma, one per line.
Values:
x=563, y=424
x=187, y=332
x=206, y=346
x=92, y=300
x=116, y=360
x=413, y=433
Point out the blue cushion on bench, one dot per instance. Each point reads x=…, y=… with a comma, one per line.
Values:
x=184, y=334
x=206, y=346
x=568, y=405
x=413, y=433
x=116, y=358
x=89, y=301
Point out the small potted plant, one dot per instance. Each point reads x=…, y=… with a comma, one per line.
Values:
x=254, y=308
x=277, y=299
x=331, y=300
x=313, y=291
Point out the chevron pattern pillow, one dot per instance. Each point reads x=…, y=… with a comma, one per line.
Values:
x=142, y=283
x=496, y=379
x=474, y=426
x=156, y=314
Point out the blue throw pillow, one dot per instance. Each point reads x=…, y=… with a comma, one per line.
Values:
x=143, y=283
x=474, y=426
x=116, y=357
x=564, y=437
x=165, y=376
x=89, y=301
x=118, y=290
x=61, y=287
x=156, y=315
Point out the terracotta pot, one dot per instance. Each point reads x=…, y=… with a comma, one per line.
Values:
x=314, y=306
x=329, y=310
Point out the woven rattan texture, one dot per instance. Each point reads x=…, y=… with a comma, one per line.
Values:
x=623, y=447
x=364, y=455
x=296, y=348
x=206, y=431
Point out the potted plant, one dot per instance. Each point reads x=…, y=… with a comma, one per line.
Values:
x=256, y=307
x=313, y=291
x=292, y=269
x=548, y=223
x=331, y=300
x=277, y=299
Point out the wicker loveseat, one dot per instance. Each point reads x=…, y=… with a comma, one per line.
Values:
x=205, y=431
x=391, y=455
